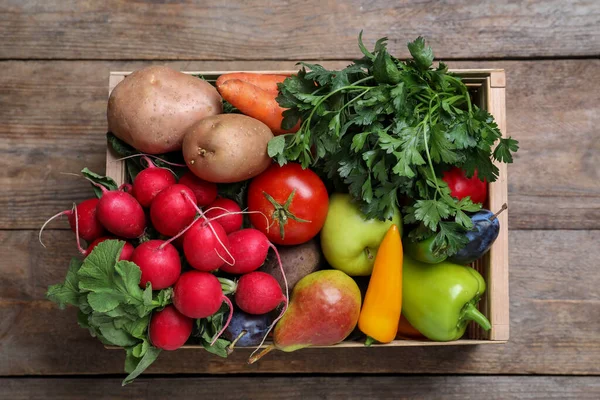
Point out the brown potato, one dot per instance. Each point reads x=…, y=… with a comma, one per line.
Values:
x=152, y=108
x=297, y=261
x=227, y=148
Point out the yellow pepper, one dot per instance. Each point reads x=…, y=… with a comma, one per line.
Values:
x=383, y=302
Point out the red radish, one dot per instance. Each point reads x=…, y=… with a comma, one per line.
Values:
x=120, y=213
x=126, y=187
x=88, y=225
x=125, y=253
x=206, y=246
x=199, y=295
x=170, y=210
x=159, y=262
x=227, y=213
x=248, y=248
x=169, y=329
x=258, y=293
x=205, y=192
x=150, y=181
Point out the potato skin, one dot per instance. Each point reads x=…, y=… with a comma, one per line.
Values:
x=227, y=148
x=152, y=108
x=297, y=261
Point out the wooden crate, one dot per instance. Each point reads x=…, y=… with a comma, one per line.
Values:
x=488, y=87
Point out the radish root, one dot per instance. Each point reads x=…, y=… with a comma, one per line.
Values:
x=184, y=230
x=227, y=212
x=151, y=156
x=66, y=212
x=199, y=211
x=81, y=250
x=226, y=300
x=253, y=359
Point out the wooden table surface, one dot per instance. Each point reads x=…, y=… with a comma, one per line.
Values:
x=55, y=56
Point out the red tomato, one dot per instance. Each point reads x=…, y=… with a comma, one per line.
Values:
x=294, y=200
x=461, y=186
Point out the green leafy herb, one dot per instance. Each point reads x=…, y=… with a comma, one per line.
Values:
x=208, y=328
x=112, y=306
x=105, y=181
x=386, y=129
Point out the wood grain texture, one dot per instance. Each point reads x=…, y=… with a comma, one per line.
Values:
x=555, y=320
x=52, y=120
x=266, y=30
x=276, y=388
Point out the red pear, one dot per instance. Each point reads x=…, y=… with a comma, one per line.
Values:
x=323, y=311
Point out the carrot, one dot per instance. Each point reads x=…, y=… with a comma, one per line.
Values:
x=256, y=103
x=266, y=82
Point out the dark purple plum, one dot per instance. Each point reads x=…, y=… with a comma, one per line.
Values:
x=486, y=228
x=255, y=327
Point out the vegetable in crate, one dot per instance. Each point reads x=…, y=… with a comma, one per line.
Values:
x=227, y=213
x=111, y=304
x=323, y=311
x=461, y=186
x=298, y=261
x=423, y=250
x=86, y=223
x=349, y=240
x=151, y=181
x=152, y=108
x=407, y=332
x=170, y=210
x=248, y=249
x=205, y=192
x=227, y=148
x=439, y=300
x=384, y=128
x=169, y=329
x=125, y=255
x=294, y=201
x=120, y=213
x=266, y=82
x=252, y=94
x=381, y=308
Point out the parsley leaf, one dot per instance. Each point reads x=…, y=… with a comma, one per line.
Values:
x=503, y=151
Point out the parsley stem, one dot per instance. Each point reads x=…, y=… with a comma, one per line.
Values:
x=425, y=140
x=354, y=99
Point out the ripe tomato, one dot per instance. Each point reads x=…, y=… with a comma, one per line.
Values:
x=461, y=186
x=294, y=201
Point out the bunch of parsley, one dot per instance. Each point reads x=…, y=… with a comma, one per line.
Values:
x=385, y=130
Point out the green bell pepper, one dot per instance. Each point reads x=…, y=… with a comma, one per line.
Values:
x=439, y=299
x=422, y=251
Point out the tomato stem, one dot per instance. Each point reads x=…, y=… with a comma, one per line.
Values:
x=282, y=212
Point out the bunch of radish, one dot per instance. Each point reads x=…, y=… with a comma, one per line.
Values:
x=189, y=216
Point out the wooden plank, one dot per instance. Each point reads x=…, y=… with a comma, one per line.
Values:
x=497, y=273
x=352, y=387
x=239, y=30
x=52, y=120
x=555, y=320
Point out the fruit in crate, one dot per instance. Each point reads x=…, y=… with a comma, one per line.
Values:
x=323, y=311
x=349, y=240
x=486, y=228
